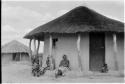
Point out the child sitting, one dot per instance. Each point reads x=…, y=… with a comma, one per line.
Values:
x=104, y=68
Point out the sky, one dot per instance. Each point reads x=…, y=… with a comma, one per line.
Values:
x=20, y=17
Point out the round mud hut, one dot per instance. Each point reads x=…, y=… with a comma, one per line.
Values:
x=89, y=40
x=14, y=51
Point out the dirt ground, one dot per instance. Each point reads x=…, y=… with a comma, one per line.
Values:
x=20, y=72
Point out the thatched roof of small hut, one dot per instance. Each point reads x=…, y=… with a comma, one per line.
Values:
x=80, y=19
x=15, y=47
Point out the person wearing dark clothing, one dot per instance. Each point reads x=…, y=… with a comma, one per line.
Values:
x=48, y=63
x=35, y=66
x=48, y=66
x=63, y=67
x=64, y=62
x=104, y=68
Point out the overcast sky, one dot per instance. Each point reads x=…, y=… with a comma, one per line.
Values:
x=20, y=17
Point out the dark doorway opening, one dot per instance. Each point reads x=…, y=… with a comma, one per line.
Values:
x=54, y=42
x=97, y=51
x=16, y=57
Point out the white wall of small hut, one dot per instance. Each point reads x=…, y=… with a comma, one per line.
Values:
x=25, y=57
x=8, y=57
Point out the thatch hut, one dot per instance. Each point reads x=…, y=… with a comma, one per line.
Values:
x=15, y=51
x=88, y=38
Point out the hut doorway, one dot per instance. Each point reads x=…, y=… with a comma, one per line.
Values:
x=97, y=51
x=15, y=57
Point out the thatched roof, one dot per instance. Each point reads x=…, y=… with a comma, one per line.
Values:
x=80, y=19
x=15, y=47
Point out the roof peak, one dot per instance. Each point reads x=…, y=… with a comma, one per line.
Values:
x=81, y=8
x=14, y=41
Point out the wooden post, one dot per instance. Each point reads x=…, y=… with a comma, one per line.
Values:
x=35, y=51
x=50, y=50
x=38, y=50
x=78, y=48
x=50, y=45
x=115, y=51
x=30, y=51
x=38, y=46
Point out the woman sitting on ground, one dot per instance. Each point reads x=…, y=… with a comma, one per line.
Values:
x=48, y=66
x=63, y=67
x=48, y=63
x=35, y=66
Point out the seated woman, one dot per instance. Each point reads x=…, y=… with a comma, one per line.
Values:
x=48, y=63
x=63, y=67
x=48, y=66
x=35, y=66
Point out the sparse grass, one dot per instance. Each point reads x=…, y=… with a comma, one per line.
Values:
x=20, y=72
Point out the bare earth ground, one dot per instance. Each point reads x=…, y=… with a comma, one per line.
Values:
x=18, y=72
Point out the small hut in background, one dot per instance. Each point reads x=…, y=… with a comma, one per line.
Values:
x=14, y=51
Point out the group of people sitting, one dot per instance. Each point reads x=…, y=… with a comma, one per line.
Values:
x=63, y=67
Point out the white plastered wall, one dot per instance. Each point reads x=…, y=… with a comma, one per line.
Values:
x=110, y=57
x=85, y=51
x=120, y=51
x=109, y=50
x=67, y=44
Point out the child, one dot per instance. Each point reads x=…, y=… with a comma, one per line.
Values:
x=104, y=68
